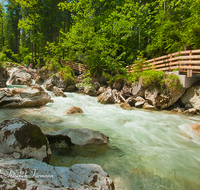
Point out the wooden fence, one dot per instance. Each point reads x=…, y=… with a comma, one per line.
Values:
x=75, y=66
x=183, y=61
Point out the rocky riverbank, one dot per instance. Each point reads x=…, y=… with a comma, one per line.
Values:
x=135, y=95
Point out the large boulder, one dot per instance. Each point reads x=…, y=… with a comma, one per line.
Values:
x=126, y=92
x=20, y=77
x=138, y=90
x=192, y=96
x=109, y=97
x=74, y=110
x=58, y=92
x=56, y=80
x=196, y=128
x=161, y=99
x=32, y=174
x=101, y=90
x=21, y=98
x=137, y=102
x=80, y=137
x=3, y=77
x=25, y=138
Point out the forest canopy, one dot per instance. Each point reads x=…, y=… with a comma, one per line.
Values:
x=104, y=34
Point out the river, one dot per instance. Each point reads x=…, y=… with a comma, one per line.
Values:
x=147, y=150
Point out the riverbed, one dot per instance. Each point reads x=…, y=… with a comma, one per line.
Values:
x=147, y=149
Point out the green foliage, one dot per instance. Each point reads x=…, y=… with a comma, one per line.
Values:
x=15, y=58
x=7, y=55
x=8, y=52
x=151, y=78
x=105, y=35
x=27, y=59
x=158, y=79
x=116, y=78
x=3, y=57
x=172, y=82
x=67, y=75
x=53, y=65
x=86, y=82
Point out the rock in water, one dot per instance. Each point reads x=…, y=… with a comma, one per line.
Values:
x=19, y=135
x=161, y=99
x=20, y=77
x=58, y=92
x=24, y=98
x=74, y=110
x=109, y=97
x=80, y=137
x=41, y=176
x=196, y=128
x=192, y=96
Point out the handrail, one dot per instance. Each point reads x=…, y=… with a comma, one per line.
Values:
x=183, y=61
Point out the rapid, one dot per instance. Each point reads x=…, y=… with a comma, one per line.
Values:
x=147, y=149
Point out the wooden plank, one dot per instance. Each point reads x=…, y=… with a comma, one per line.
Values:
x=190, y=67
x=189, y=62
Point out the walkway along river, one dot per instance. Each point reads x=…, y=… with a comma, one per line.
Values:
x=147, y=150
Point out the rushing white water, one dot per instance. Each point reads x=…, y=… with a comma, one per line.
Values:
x=11, y=71
x=147, y=150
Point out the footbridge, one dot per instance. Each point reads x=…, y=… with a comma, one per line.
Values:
x=185, y=64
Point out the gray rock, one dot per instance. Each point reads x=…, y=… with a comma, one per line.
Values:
x=117, y=86
x=162, y=100
x=56, y=80
x=131, y=101
x=109, y=97
x=70, y=88
x=20, y=77
x=96, y=86
x=148, y=106
x=31, y=174
x=126, y=92
x=192, y=111
x=80, y=137
x=137, y=90
x=25, y=138
x=139, y=102
x=101, y=90
x=31, y=97
x=90, y=90
x=39, y=80
x=178, y=109
x=58, y=92
x=125, y=106
x=192, y=96
x=49, y=84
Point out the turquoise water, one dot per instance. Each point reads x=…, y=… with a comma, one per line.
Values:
x=147, y=149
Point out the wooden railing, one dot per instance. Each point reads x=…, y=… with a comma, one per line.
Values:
x=184, y=61
x=75, y=66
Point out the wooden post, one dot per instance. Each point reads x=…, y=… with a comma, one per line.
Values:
x=170, y=62
x=153, y=64
x=189, y=73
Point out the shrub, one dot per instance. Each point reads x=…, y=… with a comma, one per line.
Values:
x=27, y=59
x=172, y=82
x=159, y=79
x=53, y=65
x=15, y=58
x=151, y=78
x=3, y=57
x=67, y=75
